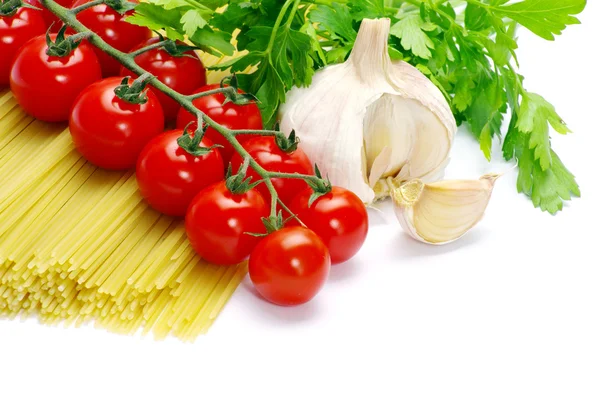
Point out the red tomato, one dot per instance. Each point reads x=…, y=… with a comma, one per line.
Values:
x=47, y=86
x=49, y=17
x=217, y=223
x=265, y=151
x=169, y=177
x=16, y=30
x=111, y=26
x=110, y=132
x=235, y=117
x=183, y=74
x=339, y=218
x=290, y=266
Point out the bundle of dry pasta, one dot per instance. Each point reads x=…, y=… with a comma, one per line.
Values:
x=79, y=244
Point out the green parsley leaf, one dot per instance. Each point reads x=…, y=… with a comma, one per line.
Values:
x=362, y=9
x=477, y=17
x=193, y=20
x=534, y=115
x=547, y=188
x=546, y=18
x=411, y=30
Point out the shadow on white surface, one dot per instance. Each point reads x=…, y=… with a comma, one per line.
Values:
x=407, y=247
x=279, y=315
x=344, y=271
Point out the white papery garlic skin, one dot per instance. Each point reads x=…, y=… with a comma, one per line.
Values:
x=370, y=119
x=442, y=212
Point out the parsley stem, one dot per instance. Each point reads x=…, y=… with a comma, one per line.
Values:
x=278, y=21
x=292, y=14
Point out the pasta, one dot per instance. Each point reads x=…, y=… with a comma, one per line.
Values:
x=78, y=244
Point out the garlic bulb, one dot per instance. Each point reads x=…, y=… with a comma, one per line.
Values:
x=370, y=119
x=442, y=212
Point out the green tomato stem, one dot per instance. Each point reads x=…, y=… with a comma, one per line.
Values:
x=210, y=92
x=127, y=60
x=147, y=48
x=85, y=6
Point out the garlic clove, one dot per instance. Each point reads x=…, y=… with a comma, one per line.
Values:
x=442, y=212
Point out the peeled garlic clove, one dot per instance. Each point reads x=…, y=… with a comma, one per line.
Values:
x=371, y=118
x=442, y=212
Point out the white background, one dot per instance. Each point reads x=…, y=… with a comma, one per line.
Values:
x=513, y=309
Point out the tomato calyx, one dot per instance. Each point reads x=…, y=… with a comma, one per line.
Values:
x=239, y=183
x=287, y=144
x=191, y=143
x=175, y=49
x=8, y=8
x=120, y=6
x=136, y=92
x=233, y=95
x=319, y=186
x=64, y=46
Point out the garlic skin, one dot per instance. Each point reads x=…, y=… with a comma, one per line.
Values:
x=442, y=212
x=370, y=119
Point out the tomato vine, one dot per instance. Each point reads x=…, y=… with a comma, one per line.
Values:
x=68, y=16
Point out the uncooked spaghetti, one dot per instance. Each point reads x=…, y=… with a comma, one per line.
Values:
x=79, y=244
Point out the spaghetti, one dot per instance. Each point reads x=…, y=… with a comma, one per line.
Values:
x=79, y=244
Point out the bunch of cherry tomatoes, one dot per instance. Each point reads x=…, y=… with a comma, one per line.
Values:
x=118, y=126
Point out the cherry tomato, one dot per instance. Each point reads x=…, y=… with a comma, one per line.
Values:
x=110, y=132
x=112, y=27
x=169, y=177
x=290, y=266
x=235, y=117
x=182, y=73
x=47, y=86
x=218, y=222
x=339, y=218
x=267, y=153
x=49, y=18
x=16, y=30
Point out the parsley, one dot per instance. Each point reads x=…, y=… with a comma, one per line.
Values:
x=467, y=48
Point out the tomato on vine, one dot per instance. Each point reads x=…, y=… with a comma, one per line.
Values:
x=228, y=114
x=109, y=23
x=220, y=219
x=18, y=25
x=48, y=74
x=338, y=217
x=176, y=65
x=174, y=167
x=290, y=266
x=277, y=155
x=112, y=121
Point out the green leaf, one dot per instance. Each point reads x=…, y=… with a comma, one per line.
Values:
x=170, y=4
x=477, y=18
x=487, y=108
x=193, y=20
x=504, y=45
x=546, y=18
x=534, y=115
x=411, y=30
x=361, y=9
x=213, y=41
x=155, y=17
x=310, y=31
x=465, y=88
x=548, y=188
x=335, y=20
